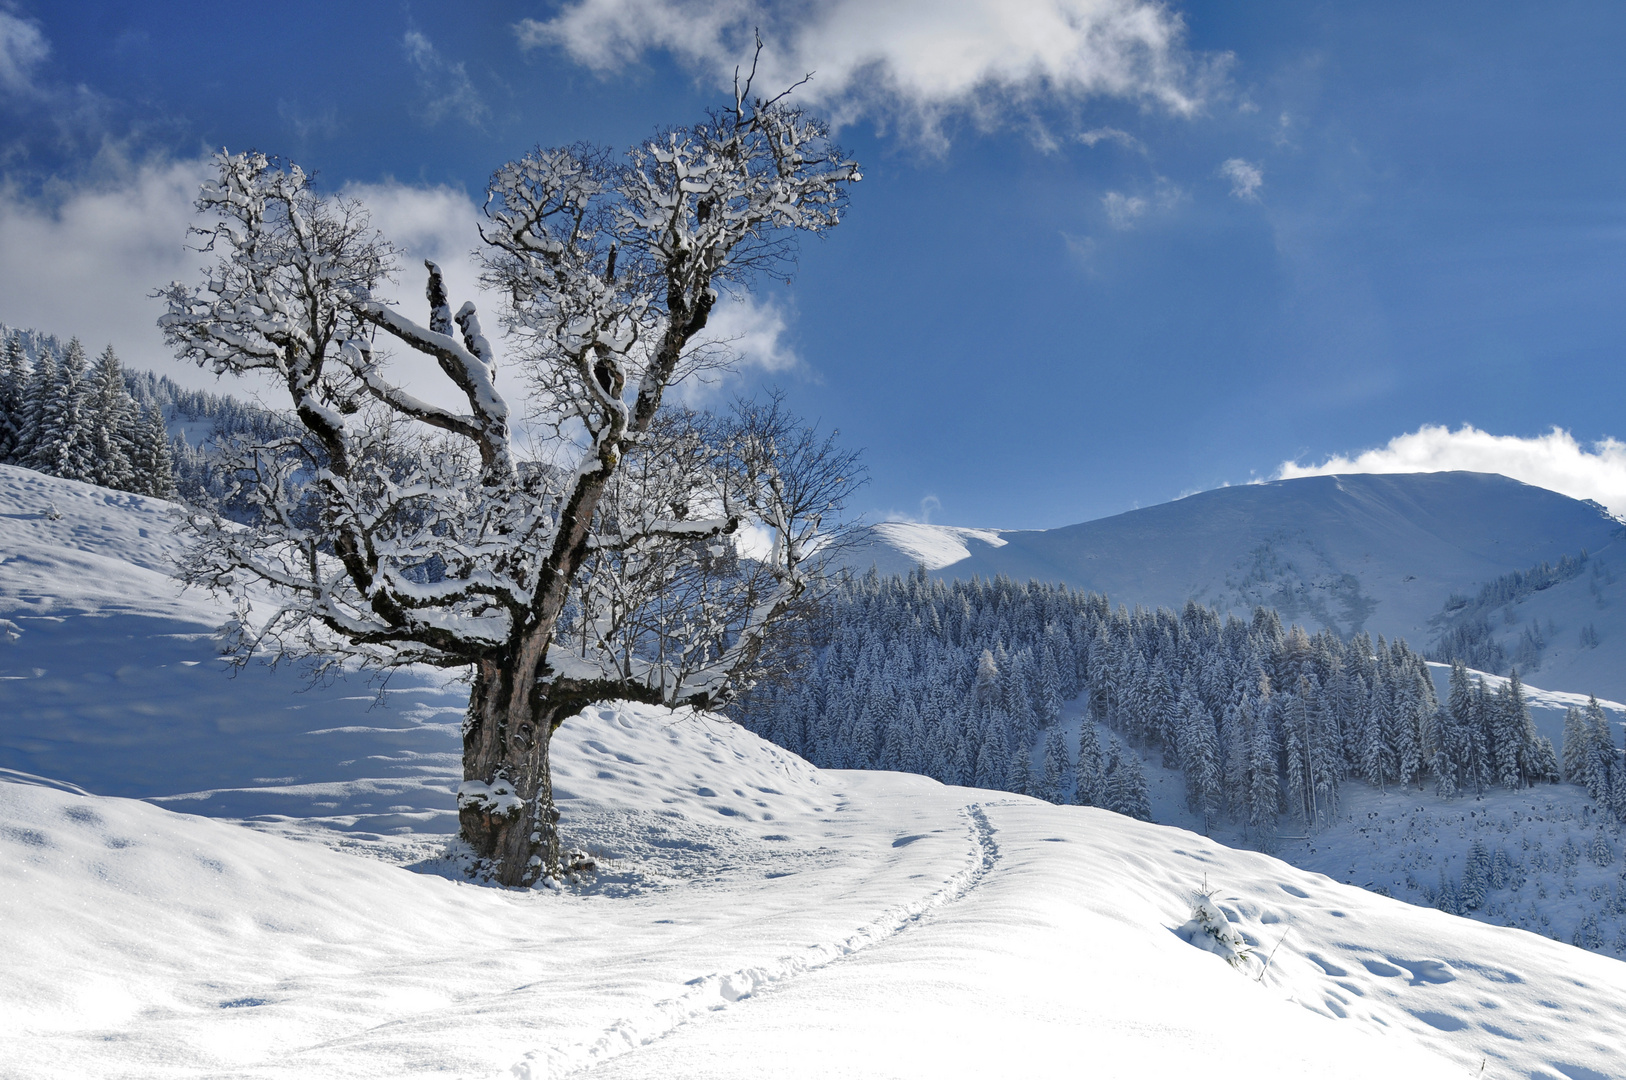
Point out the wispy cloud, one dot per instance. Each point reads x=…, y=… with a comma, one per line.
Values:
x=1556, y=461
x=321, y=124
x=1123, y=210
x=1246, y=178
x=1095, y=136
x=916, y=62
x=22, y=48
x=446, y=86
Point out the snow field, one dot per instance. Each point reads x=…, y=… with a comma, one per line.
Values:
x=753, y=915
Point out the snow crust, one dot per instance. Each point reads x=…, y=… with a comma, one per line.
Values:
x=753, y=916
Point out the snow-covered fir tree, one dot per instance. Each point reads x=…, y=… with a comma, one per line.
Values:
x=1263, y=720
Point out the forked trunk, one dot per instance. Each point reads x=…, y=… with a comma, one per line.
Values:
x=505, y=804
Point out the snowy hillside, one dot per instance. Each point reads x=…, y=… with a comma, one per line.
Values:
x=753, y=916
x=1380, y=553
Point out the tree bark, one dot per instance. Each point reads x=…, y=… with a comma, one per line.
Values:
x=505, y=805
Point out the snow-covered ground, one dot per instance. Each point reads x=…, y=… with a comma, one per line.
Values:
x=754, y=916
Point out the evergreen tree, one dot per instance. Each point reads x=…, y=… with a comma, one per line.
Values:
x=993, y=759
x=1576, y=745
x=1088, y=789
x=1599, y=759
x=1509, y=719
x=987, y=685
x=1127, y=792
x=1200, y=755
x=1264, y=791
x=13, y=399
x=1476, y=876
x=110, y=411
x=1019, y=777
x=1055, y=766
x=59, y=439
x=37, y=397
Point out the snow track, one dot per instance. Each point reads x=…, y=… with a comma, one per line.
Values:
x=712, y=993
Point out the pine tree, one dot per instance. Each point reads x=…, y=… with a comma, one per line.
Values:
x=1088, y=789
x=13, y=399
x=151, y=462
x=987, y=685
x=1599, y=759
x=1617, y=795
x=1476, y=876
x=59, y=440
x=109, y=424
x=1049, y=697
x=1264, y=791
x=1019, y=775
x=1508, y=721
x=37, y=398
x=1445, y=775
x=1575, y=746
x=1200, y=755
x=1127, y=792
x=993, y=759
x=1055, y=767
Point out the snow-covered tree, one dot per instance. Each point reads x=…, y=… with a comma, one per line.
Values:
x=152, y=469
x=13, y=398
x=109, y=419
x=1199, y=755
x=1055, y=767
x=1088, y=788
x=58, y=438
x=398, y=530
x=1126, y=789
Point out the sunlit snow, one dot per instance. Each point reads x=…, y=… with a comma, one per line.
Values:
x=753, y=916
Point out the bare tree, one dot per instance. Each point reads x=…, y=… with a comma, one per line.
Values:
x=396, y=530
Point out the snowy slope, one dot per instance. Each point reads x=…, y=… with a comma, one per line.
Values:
x=897, y=547
x=1363, y=552
x=754, y=917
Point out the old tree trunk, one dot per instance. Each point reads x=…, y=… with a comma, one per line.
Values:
x=505, y=804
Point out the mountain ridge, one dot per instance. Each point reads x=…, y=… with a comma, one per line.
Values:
x=1359, y=552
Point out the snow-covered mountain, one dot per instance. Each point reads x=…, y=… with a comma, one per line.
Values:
x=1379, y=553
x=754, y=916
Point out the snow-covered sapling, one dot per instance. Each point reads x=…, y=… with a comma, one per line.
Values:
x=1208, y=929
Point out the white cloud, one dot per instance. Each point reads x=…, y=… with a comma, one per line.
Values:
x=743, y=333
x=1123, y=210
x=916, y=60
x=22, y=47
x=1245, y=178
x=85, y=263
x=1555, y=461
x=1110, y=134
x=755, y=330
x=446, y=87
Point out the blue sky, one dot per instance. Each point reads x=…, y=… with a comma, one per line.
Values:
x=1105, y=252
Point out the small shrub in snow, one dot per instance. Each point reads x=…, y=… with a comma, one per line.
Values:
x=1208, y=929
